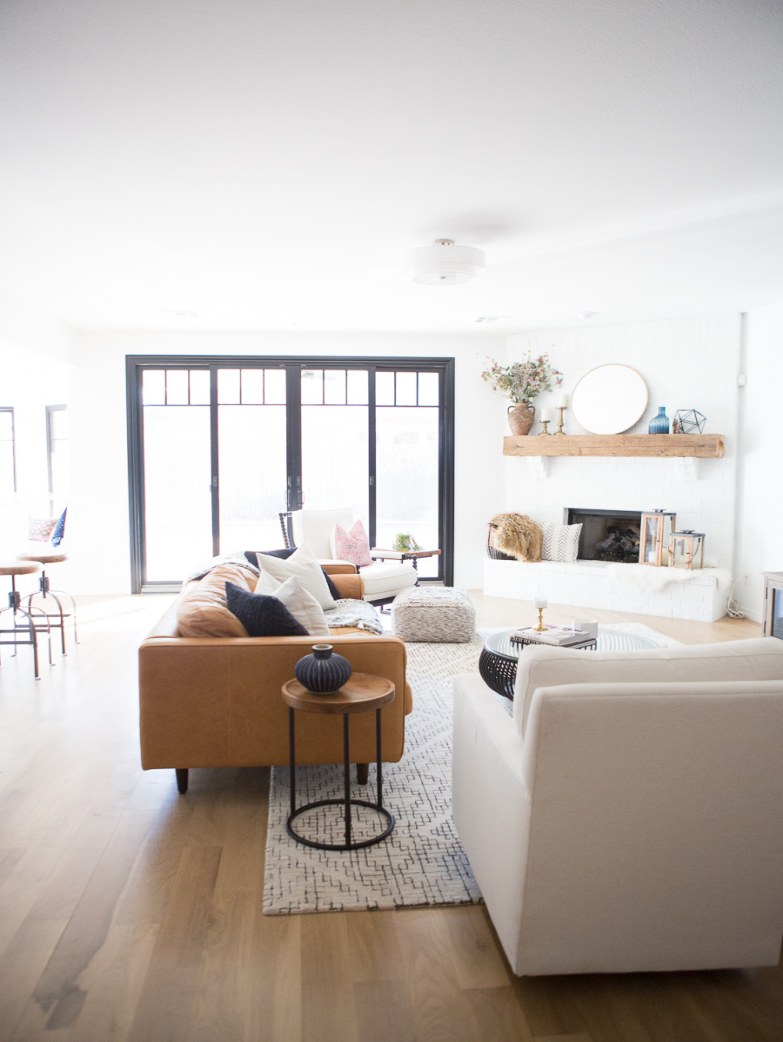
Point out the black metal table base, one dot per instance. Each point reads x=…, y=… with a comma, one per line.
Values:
x=498, y=673
x=346, y=801
x=354, y=844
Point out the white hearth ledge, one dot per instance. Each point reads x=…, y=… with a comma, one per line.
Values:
x=700, y=595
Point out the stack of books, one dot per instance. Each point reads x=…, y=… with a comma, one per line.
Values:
x=552, y=635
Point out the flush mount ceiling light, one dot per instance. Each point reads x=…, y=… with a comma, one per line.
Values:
x=444, y=263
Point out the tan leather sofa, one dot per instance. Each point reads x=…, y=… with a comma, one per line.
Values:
x=214, y=701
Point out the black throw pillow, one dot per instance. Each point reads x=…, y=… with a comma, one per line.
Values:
x=252, y=556
x=332, y=588
x=262, y=615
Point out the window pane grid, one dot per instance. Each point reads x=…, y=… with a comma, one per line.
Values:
x=7, y=452
x=402, y=490
x=247, y=386
x=405, y=389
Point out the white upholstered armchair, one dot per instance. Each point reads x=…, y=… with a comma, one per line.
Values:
x=315, y=528
x=630, y=815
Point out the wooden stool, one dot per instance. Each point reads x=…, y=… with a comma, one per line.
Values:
x=30, y=615
x=45, y=592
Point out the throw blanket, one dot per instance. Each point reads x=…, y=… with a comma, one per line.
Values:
x=237, y=559
x=358, y=614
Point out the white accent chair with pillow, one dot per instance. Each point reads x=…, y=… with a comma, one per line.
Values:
x=629, y=816
x=317, y=530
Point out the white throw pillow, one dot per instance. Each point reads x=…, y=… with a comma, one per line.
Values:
x=561, y=542
x=303, y=566
x=302, y=605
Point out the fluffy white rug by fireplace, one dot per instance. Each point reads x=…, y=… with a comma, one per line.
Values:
x=676, y=593
x=421, y=862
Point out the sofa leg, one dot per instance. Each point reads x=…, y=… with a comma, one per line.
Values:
x=362, y=773
x=182, y=779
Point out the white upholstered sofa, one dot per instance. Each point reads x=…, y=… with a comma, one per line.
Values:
x=629, y=815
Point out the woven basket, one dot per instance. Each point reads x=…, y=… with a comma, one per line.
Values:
x=496, y=555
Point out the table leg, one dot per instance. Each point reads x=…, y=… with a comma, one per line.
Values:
x=292, y=758
x=378, y=752
x=347, y=777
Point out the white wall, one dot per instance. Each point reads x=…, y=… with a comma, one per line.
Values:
x=760, y=537
x=99, y=526
x=686, y=363
x=36, y=353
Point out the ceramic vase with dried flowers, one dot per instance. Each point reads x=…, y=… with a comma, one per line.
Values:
x=521, y=383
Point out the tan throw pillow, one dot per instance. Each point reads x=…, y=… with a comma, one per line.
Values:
x=202, y=611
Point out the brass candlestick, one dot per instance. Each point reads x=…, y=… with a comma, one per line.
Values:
x=561, y=409
x=540, y=627
x=544, y=424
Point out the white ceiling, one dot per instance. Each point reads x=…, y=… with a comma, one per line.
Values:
x=264, y=164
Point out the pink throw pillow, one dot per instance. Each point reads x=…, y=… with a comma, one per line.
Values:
x=41, y=528
x=352, y=546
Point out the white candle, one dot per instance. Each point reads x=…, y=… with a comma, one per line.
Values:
x=562, y=401
x=539, y=602
x=544, y=414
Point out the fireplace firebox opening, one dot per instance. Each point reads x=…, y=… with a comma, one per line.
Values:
x=607, y=535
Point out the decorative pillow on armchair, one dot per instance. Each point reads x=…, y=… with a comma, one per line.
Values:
x=40, y=529
x=353, y=545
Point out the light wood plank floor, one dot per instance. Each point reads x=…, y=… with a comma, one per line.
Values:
x=130, y=914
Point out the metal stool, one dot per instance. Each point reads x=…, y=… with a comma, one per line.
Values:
x=56, y=618
x=32, y=617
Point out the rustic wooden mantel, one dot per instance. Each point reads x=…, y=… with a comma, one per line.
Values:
x=704, y=446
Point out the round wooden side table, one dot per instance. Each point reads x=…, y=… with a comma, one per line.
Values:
x=362, y=693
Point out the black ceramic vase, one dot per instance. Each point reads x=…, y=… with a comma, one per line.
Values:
x=322, y=671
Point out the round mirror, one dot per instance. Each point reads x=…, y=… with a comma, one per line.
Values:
x=609, y=399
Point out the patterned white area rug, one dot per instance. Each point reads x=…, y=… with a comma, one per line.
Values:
x=421, y=862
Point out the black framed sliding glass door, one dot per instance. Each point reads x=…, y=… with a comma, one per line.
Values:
x=219, y=446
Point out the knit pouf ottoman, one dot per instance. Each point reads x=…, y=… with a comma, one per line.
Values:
x=433, y=614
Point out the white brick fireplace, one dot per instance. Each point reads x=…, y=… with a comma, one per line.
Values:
x=686, y=363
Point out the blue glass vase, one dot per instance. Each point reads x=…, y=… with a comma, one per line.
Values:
x=659, y=424
x=323, y=671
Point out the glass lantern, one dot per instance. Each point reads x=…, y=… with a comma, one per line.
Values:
x=684, y=547
x=654, y=527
